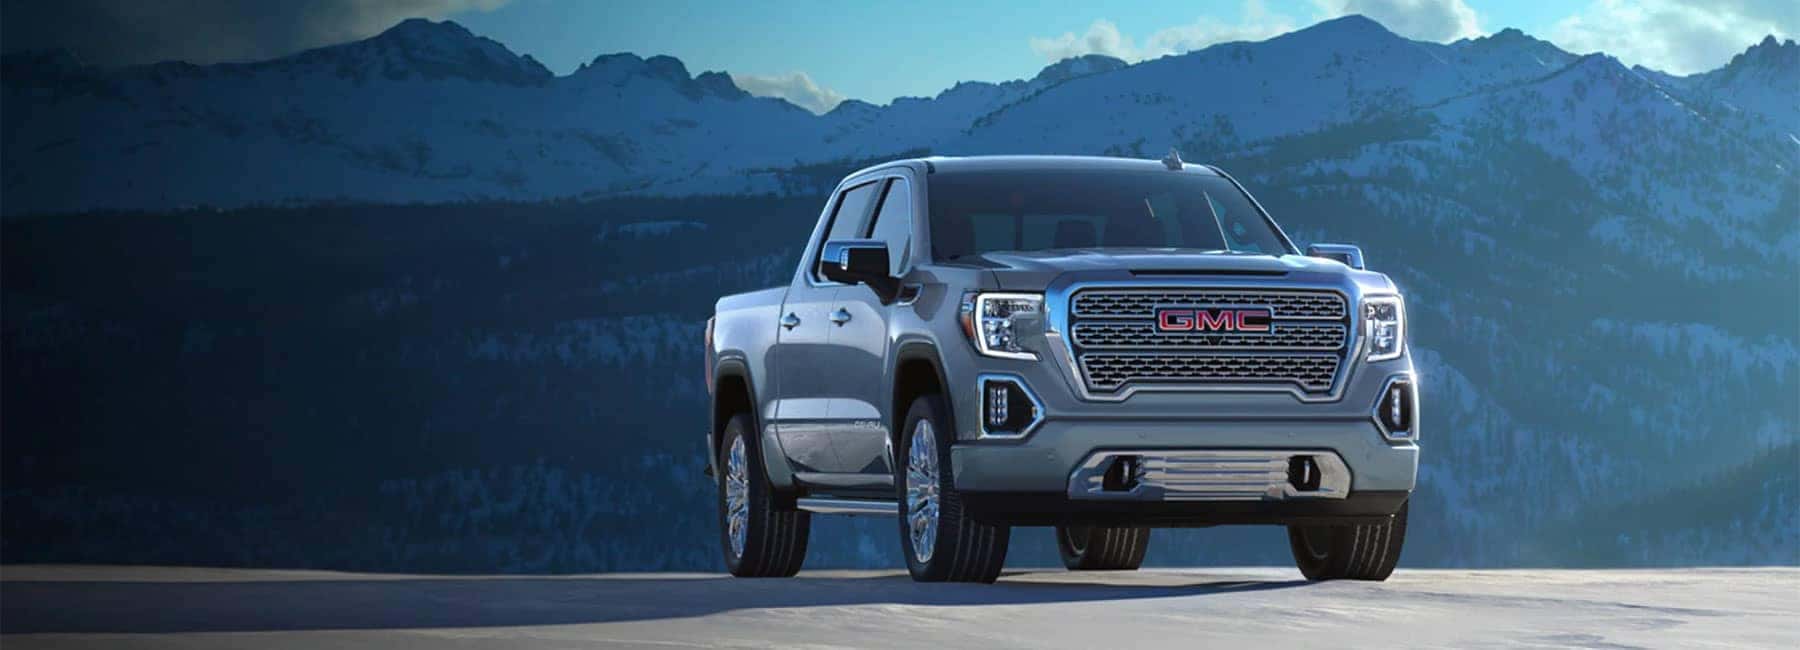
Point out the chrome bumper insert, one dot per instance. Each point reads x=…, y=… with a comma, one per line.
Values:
x=1211, y=475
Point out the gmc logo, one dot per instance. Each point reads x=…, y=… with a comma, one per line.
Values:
x=1182, y=319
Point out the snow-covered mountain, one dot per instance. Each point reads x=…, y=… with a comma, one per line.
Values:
x=1758, y=87
x=429, y=112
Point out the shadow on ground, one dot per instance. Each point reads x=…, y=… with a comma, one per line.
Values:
x=392, y=603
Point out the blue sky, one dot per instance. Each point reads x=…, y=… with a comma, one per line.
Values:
x=816, y=53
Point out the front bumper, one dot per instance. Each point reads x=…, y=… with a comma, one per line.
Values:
x=1028, y=482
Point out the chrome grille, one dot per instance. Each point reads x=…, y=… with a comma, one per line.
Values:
x=1116, y=343
x=1143, y=303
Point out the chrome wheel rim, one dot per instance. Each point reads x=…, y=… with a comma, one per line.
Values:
x=737, y=496
x=922, y=491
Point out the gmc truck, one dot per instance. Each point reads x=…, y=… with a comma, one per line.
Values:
x=1098, y=345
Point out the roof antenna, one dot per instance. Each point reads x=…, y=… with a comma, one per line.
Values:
x=1173, y=160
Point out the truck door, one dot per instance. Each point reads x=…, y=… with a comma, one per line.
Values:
x=859, y=339
x=803, y=362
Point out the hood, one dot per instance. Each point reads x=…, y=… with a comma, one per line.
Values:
x=1034, y=270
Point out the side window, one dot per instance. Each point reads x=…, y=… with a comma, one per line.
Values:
x=893, y=224
x=848, y=220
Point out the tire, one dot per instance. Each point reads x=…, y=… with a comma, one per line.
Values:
x=1354, y=552
x=951, y=546
x=773, y=542
x=1102, y=548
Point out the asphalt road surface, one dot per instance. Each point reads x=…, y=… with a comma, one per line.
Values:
x=155, y=607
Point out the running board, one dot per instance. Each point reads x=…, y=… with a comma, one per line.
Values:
x=830, y=506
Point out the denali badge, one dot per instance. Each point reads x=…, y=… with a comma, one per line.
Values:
x=1182, y=319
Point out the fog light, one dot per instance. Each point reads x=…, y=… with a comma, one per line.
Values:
x=1397, y=411
x=1123, y=475
x=997, y=405
x=1008, y=409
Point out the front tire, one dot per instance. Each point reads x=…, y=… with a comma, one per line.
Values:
x=1102, y=548
x=941, y=542
x=759, y=538
x=1353, y=552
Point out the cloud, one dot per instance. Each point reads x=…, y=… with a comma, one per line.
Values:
x=795, y=87
x=1425, y=20
x=119, y=32
x=1103, y=37
x=1678, y=36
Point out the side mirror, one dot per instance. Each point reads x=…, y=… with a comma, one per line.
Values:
x=1350, y=255
x=859, y=261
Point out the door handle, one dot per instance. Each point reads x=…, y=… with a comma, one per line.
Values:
x=790, y=321
x=840, y=316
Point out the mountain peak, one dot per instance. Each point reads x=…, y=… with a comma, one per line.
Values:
x=1772, y=62
x=423, y=28
x=1515, y=45
x=423, y=49
x=1349, y=25
x=1511, y=36
x=1078, y=66
x=620, y=68
x=1770, y=51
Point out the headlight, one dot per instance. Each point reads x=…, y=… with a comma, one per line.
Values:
x=999, y=323
x=1384, y=323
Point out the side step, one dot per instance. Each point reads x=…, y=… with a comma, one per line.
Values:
x=835, y=506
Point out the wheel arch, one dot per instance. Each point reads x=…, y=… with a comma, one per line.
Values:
x=918, y=370
x=734, y=391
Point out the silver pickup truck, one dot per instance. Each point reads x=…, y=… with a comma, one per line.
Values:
x=1100, y=345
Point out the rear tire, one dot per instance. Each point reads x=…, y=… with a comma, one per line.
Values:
x=941, y=542
x=759, y=538
x=1354, y=552
x=1102, y=548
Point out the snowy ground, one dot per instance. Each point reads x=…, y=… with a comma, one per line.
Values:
x=114, y=607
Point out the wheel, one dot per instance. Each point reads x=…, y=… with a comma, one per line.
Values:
x=1354, y=552
x=1102, y=548
x=759, y=539
x=941, y=542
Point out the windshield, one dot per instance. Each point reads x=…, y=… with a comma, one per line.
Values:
x=980, y=212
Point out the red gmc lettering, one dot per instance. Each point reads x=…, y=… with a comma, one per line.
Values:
x=1212, y=320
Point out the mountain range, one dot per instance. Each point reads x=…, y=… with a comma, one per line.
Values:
x=429, y=112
